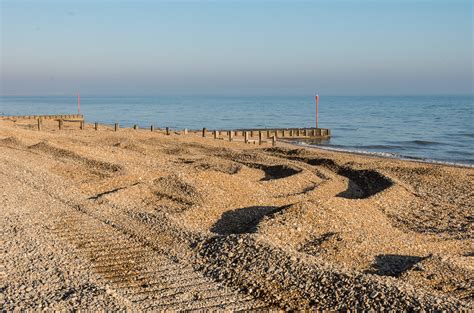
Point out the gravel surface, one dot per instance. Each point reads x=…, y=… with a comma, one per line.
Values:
x=135, y=220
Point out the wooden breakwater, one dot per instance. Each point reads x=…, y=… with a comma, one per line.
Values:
x=283, y=132
x=69, y=117
x=253, y=135
x=265, y=135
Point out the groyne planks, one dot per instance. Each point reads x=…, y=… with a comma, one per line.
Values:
x=71, y=117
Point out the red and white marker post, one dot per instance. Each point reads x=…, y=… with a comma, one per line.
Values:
x=317, y=105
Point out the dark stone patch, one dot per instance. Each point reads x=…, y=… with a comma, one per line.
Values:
x=244, y=220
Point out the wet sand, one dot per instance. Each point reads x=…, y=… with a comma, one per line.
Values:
x=140, y=220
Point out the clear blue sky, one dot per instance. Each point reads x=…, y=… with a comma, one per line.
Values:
x=236, y=47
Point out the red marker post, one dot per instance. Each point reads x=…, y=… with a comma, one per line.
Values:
x=317, y=105
x=78, y=103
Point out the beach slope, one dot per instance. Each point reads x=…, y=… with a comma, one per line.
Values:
x=135, y=219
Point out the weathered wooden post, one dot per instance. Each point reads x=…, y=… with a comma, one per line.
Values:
x=167, y=131
x=230, y=135
x=259, y=137
x=81, y=126
x=274, y=141
x=305, y=132
x=152, y=128
x=60, y=124
x=39, y=123
x=251, y=134
x=298, y=132
x=246, y=137
x=135, y=126
x=268, y=133
x=116, y=126
x=185, y=131
x=96, y=126
x=291, y=132
x=216, y=134
x=284, y=133
x=204, y=132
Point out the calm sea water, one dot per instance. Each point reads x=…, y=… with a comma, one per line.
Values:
x=436, y=128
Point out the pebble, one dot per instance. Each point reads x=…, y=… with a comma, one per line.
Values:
x=374, y=294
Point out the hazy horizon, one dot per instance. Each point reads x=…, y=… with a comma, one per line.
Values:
x=82, y=95
x=236, y=48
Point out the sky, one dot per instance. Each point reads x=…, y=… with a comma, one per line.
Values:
x=358, y=47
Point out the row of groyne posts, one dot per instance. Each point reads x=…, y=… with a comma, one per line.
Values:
x=269, y=134
x=248, y=134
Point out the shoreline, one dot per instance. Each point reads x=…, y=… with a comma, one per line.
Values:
x=302, y=144
x=385, y=155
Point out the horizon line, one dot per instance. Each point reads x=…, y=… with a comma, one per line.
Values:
x=74, y=95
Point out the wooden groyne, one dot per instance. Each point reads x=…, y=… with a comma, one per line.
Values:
x=246, y=135
x=68, y=117
x=266, y=135
x=284, y=133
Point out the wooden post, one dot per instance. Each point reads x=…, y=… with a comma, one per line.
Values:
x=246, y=137
x=298, y=132
x=328, y=132
x=284, y=133
x=317, y=105
x=116, y=126
x=204, y=132
x=215, y=134
x=305, y=132
x=185, y=131
x=60, y=124
x=259, y=137
x=251, y=134
x=96, y=126
x=135, y=126
x=167, y=131
x=274, y=141
x=152, y=128
x=230, y=135
x=268, y=133
x=81, y=126
x=39, y=123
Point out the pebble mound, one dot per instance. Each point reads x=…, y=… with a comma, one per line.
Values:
x=294, y=283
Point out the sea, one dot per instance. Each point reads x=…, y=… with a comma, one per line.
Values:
x=424, y=128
